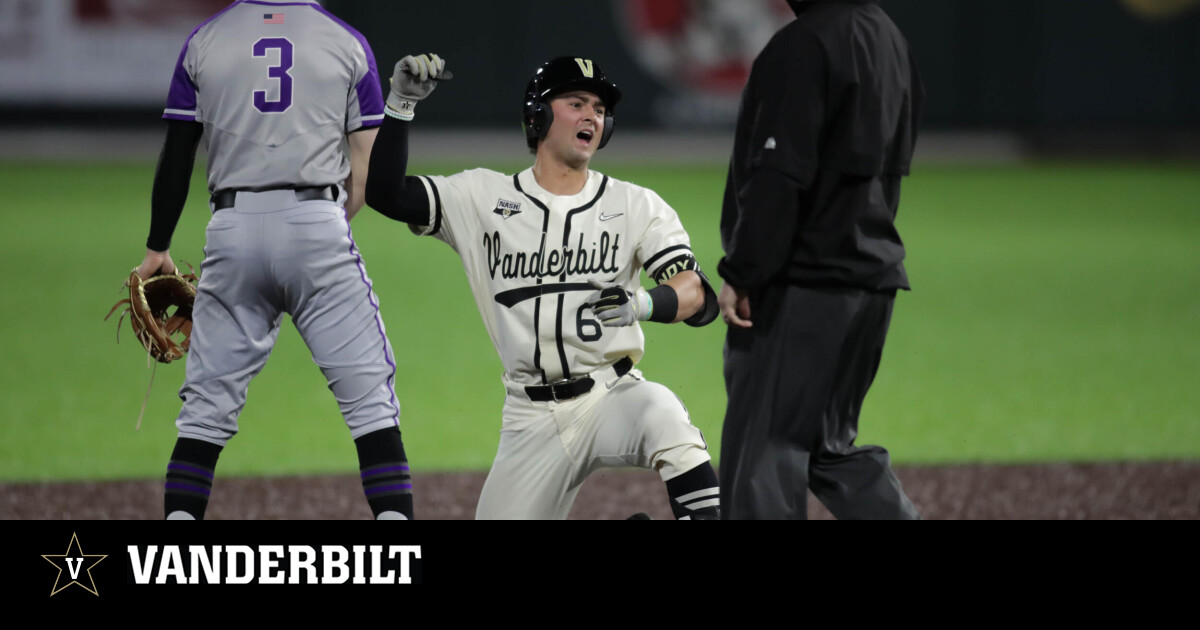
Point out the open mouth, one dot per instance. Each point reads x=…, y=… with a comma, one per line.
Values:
x=585, y=135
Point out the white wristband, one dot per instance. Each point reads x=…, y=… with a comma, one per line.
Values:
x=644, y=304
x=405, y=113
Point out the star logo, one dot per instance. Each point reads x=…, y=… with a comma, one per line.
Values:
x=75, y=564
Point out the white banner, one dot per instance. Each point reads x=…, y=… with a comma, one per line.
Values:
x=94, y=52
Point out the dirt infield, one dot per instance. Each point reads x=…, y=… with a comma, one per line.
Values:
x=1134, y=491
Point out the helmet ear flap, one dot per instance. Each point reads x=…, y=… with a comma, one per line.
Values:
x=608, y=130
x=537, y=120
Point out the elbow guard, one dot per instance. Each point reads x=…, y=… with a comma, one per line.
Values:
x=685, y=262
x=710, y=310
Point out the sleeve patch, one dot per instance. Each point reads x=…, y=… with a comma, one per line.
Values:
x=680, y=263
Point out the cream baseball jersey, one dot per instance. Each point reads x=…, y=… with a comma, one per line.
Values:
x=529, y=254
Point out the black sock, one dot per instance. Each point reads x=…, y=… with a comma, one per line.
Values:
x=190, y=477
x=695, y=494
x=385, y=477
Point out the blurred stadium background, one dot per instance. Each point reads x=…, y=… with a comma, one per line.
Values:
x=1051, y=221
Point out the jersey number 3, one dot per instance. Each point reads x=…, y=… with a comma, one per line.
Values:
x=278, y=72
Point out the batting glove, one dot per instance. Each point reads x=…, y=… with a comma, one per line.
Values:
x=413, y=79
x=614, y=306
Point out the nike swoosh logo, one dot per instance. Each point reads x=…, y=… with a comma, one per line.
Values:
x=605, y=217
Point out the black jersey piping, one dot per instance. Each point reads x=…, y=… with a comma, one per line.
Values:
x=562, y=298
x=513, y=297
x=664, y=252
x=537, y=304
x=437, y=206
x=567, y=224
x=558, y=333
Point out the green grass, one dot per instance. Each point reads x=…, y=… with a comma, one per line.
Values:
x=1053, y=317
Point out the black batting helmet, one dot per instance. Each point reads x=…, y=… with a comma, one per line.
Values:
x=563, y=74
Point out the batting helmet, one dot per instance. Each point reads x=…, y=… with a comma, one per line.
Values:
x=563, y=74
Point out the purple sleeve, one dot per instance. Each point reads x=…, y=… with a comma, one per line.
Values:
x=181, y=99
x=370, y=95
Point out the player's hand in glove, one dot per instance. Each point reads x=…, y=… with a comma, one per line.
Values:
x=159, y=308
x=413, y=79
x=156, y=264
x=614, y=306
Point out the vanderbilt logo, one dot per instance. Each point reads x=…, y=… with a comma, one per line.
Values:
x=74, y=567
x=273, y=564
x=580, y=260
x=507, y=208
x=585, y=66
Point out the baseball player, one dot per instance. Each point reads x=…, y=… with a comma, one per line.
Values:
x=277, y=88
x=553, y=255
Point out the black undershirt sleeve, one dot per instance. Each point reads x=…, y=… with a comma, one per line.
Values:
x=782, y=127
x=762, y=236
x=390, y=191
x=171, y=181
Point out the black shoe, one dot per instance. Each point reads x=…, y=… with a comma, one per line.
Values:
x=640, y=516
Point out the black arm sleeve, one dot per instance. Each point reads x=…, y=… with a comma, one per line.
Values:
x=762, y=236
x=776, y=159
x=710, y=310
x=171, y=181
x=390, y=191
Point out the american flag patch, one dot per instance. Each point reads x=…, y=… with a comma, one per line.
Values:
x=272, y=18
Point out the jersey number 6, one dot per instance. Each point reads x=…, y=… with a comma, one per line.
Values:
x=278, y=72
x=582, y=322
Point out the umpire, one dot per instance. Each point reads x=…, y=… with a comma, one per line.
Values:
x=813, y=260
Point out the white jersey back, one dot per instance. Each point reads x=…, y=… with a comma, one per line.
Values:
x=278, y=85
x=529, y=254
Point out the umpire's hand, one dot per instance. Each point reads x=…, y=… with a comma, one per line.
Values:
x=735, y=306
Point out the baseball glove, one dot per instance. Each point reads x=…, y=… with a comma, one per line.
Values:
x=149, y=308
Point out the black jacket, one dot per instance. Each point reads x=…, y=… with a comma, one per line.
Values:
x=827, y=127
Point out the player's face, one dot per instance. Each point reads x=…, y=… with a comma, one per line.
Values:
x=578, y=124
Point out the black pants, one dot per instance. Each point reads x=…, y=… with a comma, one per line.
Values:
x=796, y=383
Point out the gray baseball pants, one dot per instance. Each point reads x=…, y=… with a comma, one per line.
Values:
x=268, y=255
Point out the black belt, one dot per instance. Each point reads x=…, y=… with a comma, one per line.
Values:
x=224, y=198
x=566, y=390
